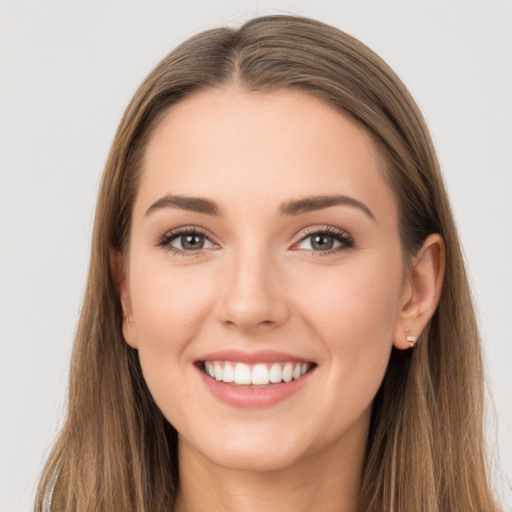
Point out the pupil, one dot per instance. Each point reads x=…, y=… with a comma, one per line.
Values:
x=322, y=242
x=192, y=242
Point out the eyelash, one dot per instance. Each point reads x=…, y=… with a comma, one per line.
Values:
x=170, y=236
x=346, y=241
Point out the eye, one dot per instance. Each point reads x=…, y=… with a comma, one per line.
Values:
x=190, y=242
x=319, y=242
x=186, y=242
x=326, y=240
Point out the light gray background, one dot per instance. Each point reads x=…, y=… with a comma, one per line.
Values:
x=68, y=70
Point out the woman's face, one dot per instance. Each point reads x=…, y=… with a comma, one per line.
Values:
x=264, y=279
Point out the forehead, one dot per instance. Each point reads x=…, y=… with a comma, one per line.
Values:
x=229, y=144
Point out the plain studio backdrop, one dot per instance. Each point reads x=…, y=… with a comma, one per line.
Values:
x=69, y=68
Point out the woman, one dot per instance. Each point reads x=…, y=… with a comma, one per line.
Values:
x=263, y=326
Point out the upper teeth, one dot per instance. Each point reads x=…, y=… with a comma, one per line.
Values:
x=258, y=374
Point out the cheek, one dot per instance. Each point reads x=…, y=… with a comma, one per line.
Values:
x=168, y=305
x=356, y=304
x=354, y=318
x=169, y=309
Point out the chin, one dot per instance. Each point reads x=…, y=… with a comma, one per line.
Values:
x=254, y=461
x=252, y=451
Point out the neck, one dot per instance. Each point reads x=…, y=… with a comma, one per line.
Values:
x=327, y=481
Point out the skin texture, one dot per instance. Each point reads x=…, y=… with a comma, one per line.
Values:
x=258, y=284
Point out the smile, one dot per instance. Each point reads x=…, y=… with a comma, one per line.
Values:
x=260, y=374
x=254, y=379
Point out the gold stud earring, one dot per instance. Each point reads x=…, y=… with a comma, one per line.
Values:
x=411, y=339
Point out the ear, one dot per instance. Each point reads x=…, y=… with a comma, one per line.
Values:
x=119, y=267
x=422, y=291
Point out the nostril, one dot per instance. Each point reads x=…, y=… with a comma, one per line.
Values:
x=249, y=326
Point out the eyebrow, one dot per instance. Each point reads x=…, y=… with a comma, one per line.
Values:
x=193, y=204
x=312, y=203
x=289, y=208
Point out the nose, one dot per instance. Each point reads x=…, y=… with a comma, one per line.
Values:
x=253, y=297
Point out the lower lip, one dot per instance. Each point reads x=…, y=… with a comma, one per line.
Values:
x=249, y=397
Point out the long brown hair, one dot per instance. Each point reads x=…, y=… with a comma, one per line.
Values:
x=425, y=450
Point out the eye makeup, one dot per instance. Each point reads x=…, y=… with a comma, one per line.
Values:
x=317, y=240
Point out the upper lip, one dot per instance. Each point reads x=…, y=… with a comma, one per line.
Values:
x=260, y=356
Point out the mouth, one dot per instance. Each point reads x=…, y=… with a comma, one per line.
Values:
x=255, y=375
